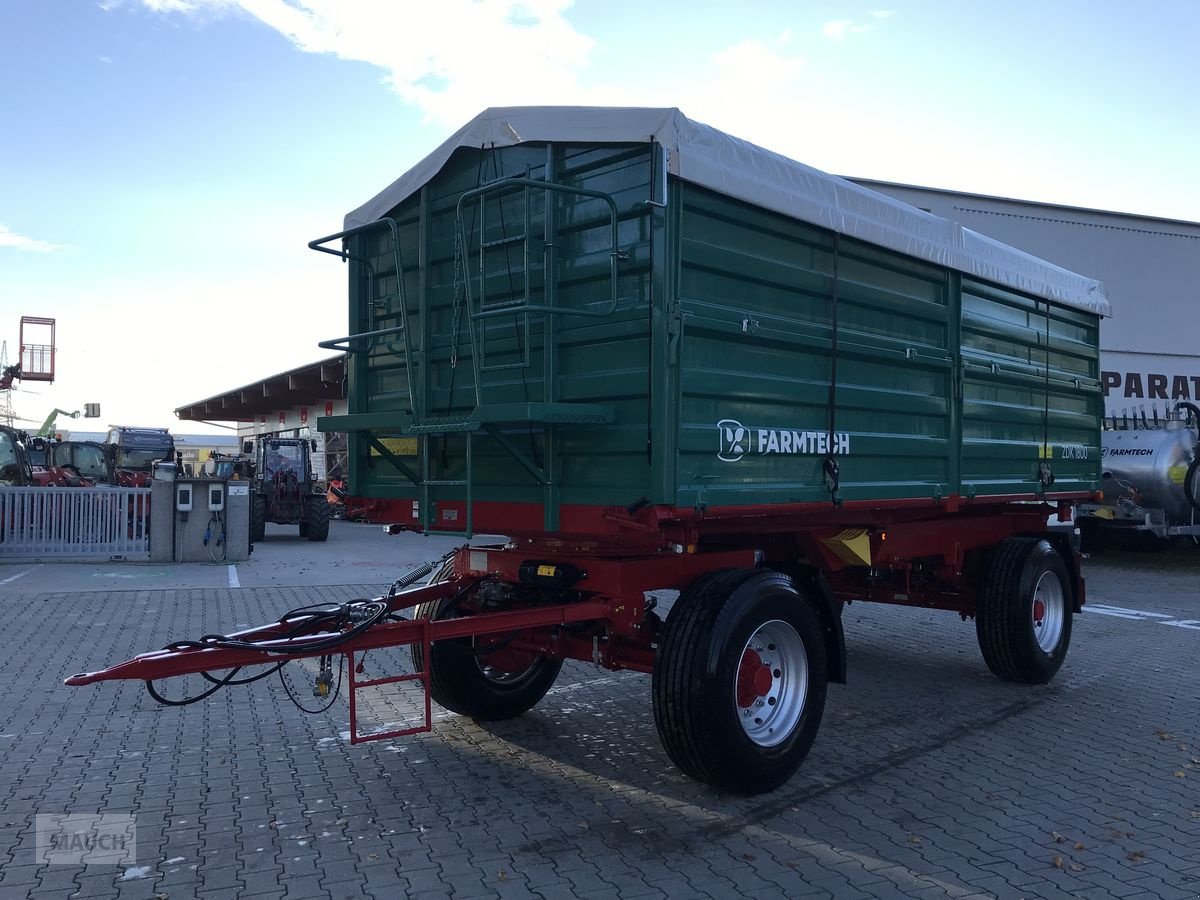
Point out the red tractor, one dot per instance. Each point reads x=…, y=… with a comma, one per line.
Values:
x=284, y=490
x=31, y=462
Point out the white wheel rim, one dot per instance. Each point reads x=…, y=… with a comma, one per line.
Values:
x=1049, y=612
x=771, y=685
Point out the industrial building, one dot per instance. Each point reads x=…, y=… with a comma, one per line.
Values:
x=1150, y=357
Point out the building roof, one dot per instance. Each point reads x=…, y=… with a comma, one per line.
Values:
x=302, y=386
x=1040, y=204
x=702, y=155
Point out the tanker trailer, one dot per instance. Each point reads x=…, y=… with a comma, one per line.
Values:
x=1150, y=479
x=668, y=364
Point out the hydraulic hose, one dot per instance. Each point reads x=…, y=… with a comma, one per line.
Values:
x=1192, y=408
x=1190, y=485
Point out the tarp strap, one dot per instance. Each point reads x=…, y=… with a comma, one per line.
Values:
x=830, y=467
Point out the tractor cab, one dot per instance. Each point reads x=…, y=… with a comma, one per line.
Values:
x=285, y=459
x=37, y=450
x=228, y=466
x=15, y=470
x=85, y=458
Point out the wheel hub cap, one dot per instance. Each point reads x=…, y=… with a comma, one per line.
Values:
x=772, y=683
x=754, y=679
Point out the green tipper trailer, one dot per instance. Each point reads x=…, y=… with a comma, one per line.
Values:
x=658, y=357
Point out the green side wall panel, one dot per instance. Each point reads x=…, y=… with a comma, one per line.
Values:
x=742, y=348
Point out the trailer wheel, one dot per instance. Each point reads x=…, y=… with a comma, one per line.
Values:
x=258, y=517
x=487, y=687
x=1023, y=614
x=739, y=682
x=316, y=528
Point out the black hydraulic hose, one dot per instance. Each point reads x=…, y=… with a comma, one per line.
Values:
x=1189, y=484
x=312, y=615
x=296, y=701
x=218, y=683
x=1191, y=408
x=250, y=680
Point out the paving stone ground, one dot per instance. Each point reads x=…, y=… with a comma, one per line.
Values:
x=929, y=778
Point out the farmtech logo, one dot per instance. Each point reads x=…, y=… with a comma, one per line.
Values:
x=737, y=440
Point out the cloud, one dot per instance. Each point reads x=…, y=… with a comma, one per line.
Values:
x=187, y=6
x=9, y=238
x=456, y=56
x=752, y=62
x=839, y=28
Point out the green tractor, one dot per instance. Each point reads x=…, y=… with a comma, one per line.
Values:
x=283, y=489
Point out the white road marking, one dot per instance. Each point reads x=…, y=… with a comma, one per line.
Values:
x=1122, y=612
x=233, y=579
x=1193, y=624
x=12, y=578
x=1141, y=615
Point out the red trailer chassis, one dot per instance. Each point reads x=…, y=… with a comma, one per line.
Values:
x=541, y=599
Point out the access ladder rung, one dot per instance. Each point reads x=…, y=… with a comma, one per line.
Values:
x=502, y=242
x=443, y=426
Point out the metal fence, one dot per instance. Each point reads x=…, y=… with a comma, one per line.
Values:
x=65, y=522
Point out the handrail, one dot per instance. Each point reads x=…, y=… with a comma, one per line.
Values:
x=614, y=256
x=344, y=343
x=358, y=229
x=334, y=343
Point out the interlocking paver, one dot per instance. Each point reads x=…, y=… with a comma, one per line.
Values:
x=930, y=778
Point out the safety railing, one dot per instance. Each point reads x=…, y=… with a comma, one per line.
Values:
x=357, y=343
x=66, y=522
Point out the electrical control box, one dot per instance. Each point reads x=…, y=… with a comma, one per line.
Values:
x=210, y=522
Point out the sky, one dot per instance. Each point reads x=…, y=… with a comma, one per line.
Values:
x=163, y=163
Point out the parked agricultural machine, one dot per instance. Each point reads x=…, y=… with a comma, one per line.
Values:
x=284, y=489
x=660, y=359
x=31, y=462
x=1150, y=477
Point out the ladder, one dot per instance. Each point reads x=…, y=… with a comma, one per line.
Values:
x=474, y=307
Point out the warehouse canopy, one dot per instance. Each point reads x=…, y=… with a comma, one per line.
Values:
x=303, y=386
x=703, y=155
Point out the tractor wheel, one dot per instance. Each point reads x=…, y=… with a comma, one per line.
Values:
x=316, y=527
x=739, y=682
x=488, y=687
x=1023, y=614
x=258, y=517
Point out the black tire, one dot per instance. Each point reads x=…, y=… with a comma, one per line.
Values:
x=458, y=682
x=697, y=708
x=1023, y=573
x=317, y=526
x=258, y=517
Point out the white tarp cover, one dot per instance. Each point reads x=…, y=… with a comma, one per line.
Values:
x=734, y=167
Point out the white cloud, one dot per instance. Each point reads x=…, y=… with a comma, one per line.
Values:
x=107, y=60
x=9, y=238
x=186, y=6
x=751, y=60
x=839, y=28
x=450, y=59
